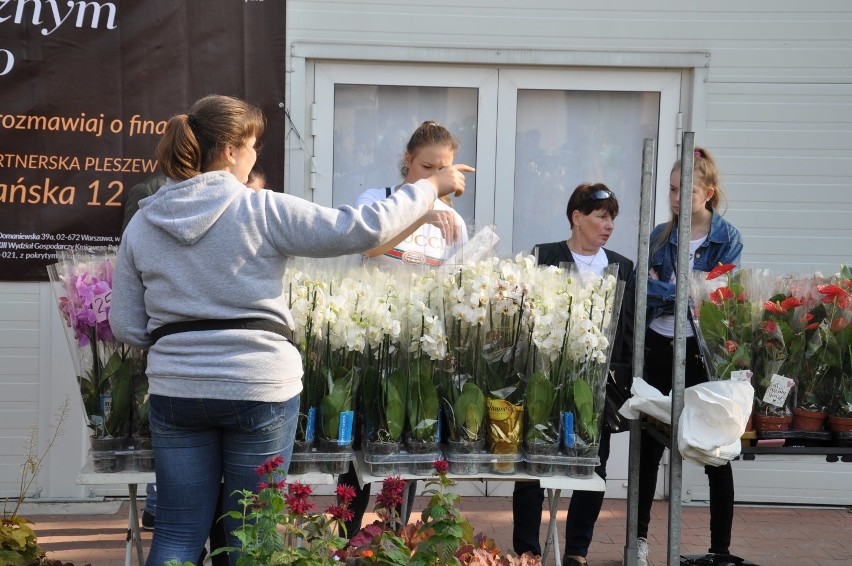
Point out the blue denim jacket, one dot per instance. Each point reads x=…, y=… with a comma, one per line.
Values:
x=723, y=245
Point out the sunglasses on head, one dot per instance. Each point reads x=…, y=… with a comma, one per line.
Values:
x=600, y=194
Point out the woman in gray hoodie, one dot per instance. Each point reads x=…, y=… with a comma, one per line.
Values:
x=199, y=283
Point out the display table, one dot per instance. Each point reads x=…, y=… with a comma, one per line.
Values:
x=553, y=486
x=132, y=478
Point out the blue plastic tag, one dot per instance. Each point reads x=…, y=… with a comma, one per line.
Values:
x=311, y=426
x=568, y=429
x=344, y=431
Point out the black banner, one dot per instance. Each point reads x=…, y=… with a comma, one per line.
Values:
x=86, y=88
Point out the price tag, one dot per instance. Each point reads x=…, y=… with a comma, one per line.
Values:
x=741, y=375
x=779, y=388
x=100, y=304
x=568, y=428
x=311, y=425
x=344, y=429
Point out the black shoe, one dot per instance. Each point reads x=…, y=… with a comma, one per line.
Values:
x=147, y=521
x=572, y=562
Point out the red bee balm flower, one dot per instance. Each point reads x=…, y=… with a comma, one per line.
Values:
x=731, y=346
x=345, y=493
x=720, y=270
x=839, y=324
x=441, y=466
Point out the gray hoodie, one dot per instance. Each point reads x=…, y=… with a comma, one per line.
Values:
x=210, y=248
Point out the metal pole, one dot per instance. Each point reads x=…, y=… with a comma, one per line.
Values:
x=643, y=251
x=684, y=231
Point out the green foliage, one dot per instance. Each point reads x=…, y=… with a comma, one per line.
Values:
x=542, y=424
x=114, y=379
x=469, y=412
x=585, y=414
x=423, y=402
x=342, y=383
x=18, y=542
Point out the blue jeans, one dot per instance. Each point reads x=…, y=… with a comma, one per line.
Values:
x=196, y=443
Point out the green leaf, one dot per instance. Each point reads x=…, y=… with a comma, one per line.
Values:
x=712, y=321
x=584, y=402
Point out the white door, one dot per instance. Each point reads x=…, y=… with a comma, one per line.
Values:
x=558, y=129
x=532, y=134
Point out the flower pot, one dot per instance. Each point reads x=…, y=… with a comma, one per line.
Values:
x=144, y=460
x=300, y=462
x=332, y=465
x=505, y=430
x=811, y=421
x=104, y=456
x=585, y=463
x=840, y=424
x=539, y=458
x=465, y=456
x=771, y=423
x=419, y=466
x=380, y=457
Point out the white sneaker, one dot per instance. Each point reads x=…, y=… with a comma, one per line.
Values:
x=642, y=549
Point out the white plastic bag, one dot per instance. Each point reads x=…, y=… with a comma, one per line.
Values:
x=648, y=400
x=714, y=418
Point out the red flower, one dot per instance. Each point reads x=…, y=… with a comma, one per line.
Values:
x=769, y=326
x=742, y=297
x=720, y=269
x=340, y=512
x=731, y=346
x=830, y=290
x=297, y=498
x=773, y=307
x=269, y=466
x=721, y=294
x=812, y=326
x=791, y=303
x=441, y=466
x=391, y=494
x=839, y=324
x=345, y=493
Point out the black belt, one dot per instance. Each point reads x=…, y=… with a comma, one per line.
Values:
x=215, y=324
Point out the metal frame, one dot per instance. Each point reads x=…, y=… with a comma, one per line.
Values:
x=679, y=366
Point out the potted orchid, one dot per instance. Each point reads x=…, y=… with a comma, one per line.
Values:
x=504, y=355
x=105, y=368
x=384, y=382
x=307, y=297
x=462, y=385
x=426, y=352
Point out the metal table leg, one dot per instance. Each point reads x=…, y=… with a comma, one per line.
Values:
x=552, y=541
x=133, y=535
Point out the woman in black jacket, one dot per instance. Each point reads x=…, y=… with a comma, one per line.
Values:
x=591, y=213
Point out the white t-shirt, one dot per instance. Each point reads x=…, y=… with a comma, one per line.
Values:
x=591, y=263
x=425, y=245
x=665, y=324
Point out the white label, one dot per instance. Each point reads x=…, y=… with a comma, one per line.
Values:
x=100, y=304
x=741, y=375
x=778, y=390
